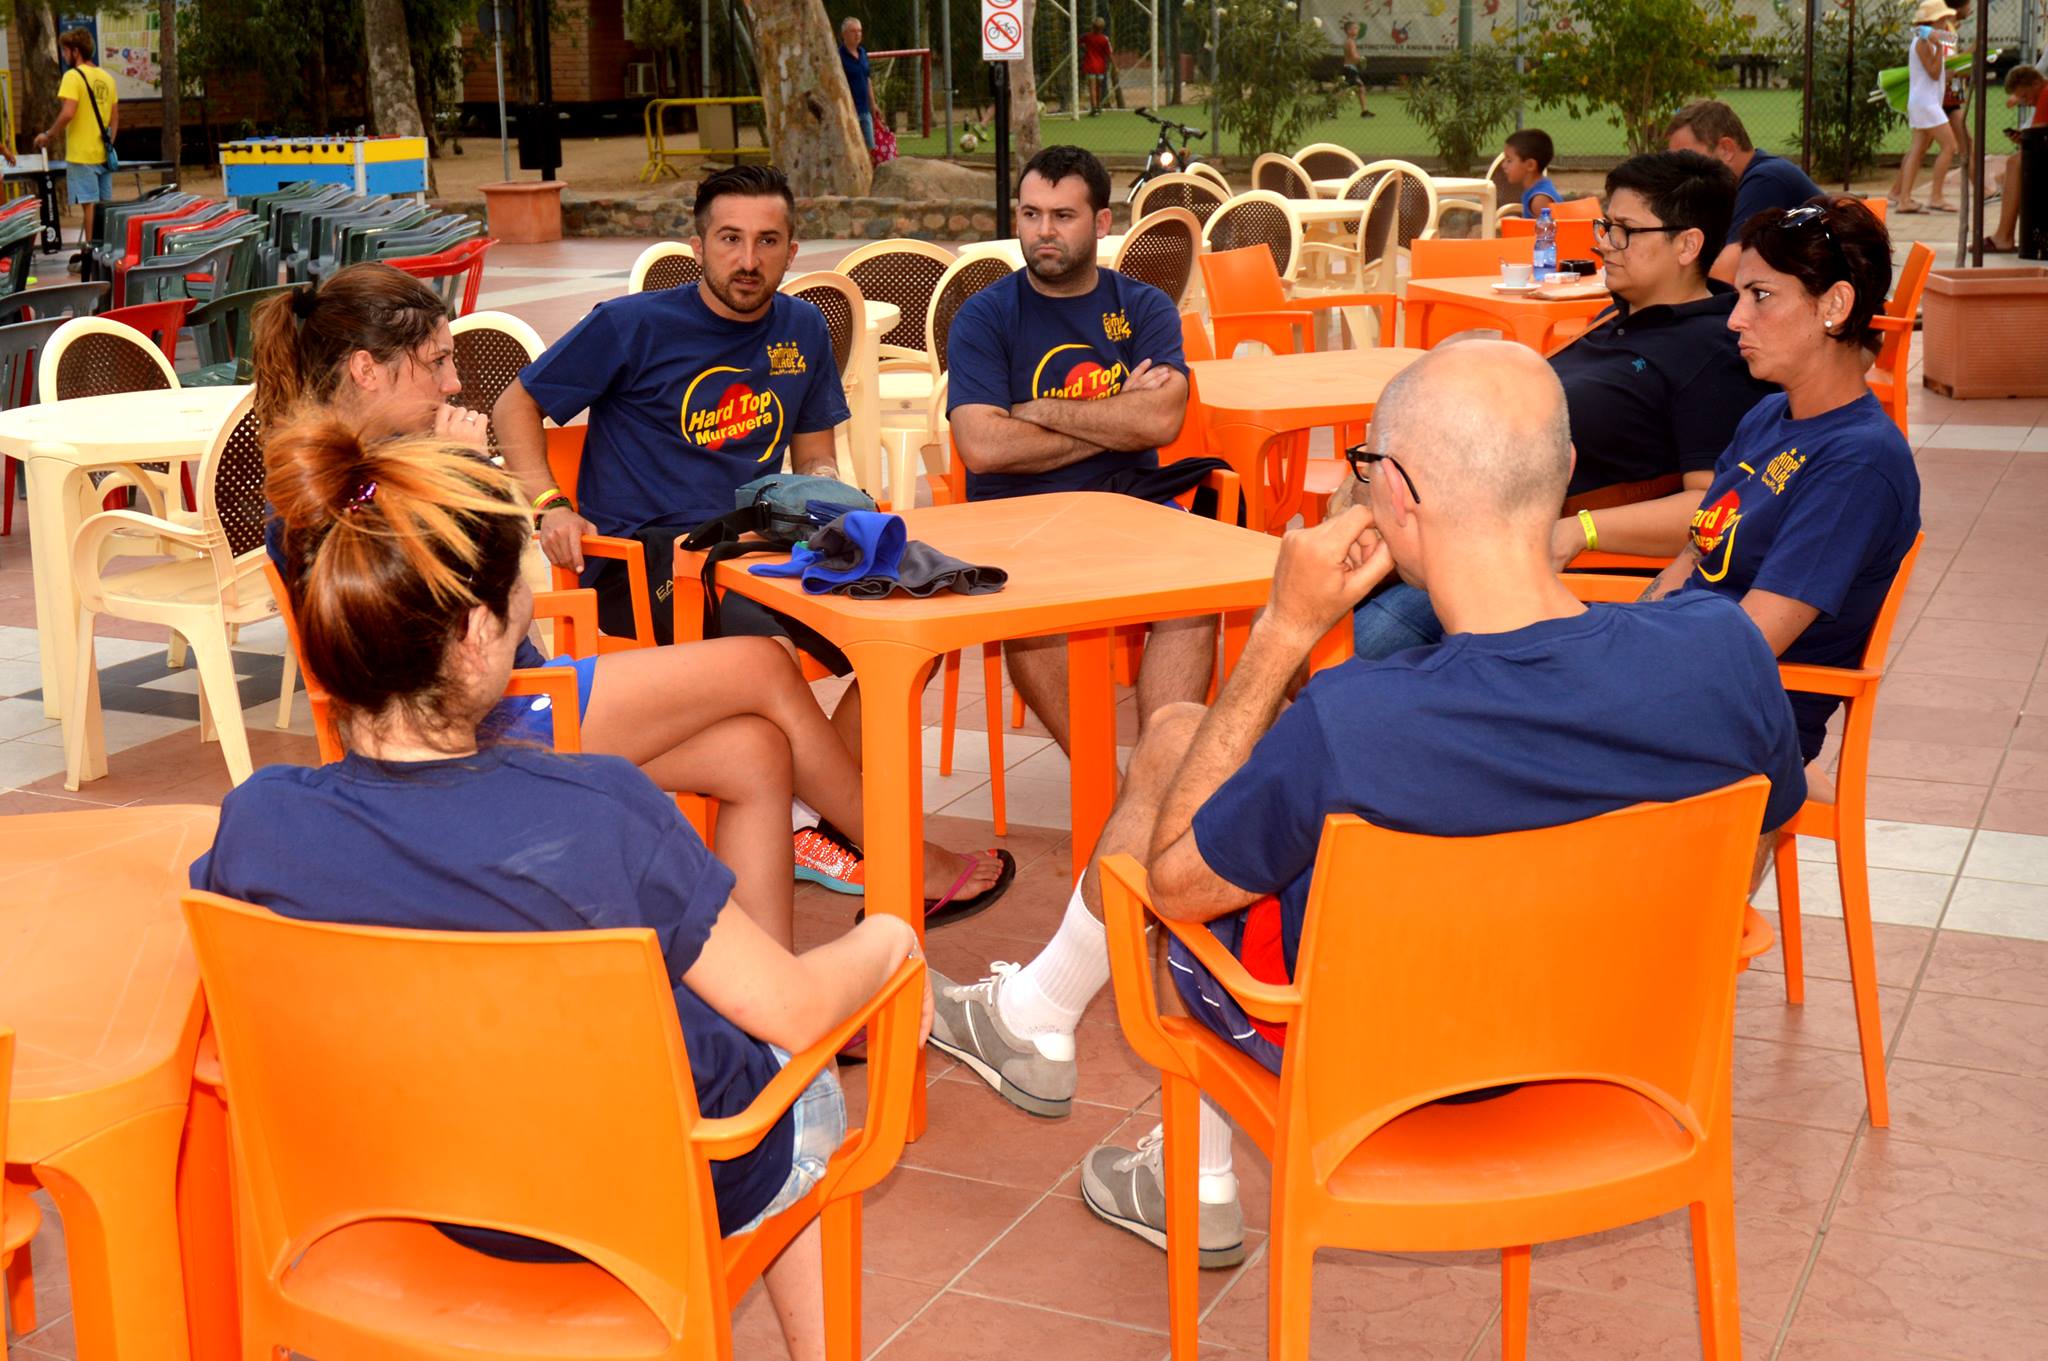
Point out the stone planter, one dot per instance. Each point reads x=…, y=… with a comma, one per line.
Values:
x=524, y=212
x=1979, y=331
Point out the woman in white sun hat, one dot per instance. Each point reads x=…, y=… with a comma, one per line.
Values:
x=1934, y=39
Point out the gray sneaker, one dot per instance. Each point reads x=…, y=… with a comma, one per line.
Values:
x=1127, y=1187
x=1035, y=1075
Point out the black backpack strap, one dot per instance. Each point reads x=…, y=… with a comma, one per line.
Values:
x=720, y=540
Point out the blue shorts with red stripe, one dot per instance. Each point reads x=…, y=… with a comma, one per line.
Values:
x=1253, y=935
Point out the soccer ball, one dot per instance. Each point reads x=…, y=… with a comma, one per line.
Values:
x=968, y=141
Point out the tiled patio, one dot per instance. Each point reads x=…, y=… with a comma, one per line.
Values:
x=1926, y=1240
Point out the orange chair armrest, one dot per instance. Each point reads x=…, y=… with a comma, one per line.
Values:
x=1881, y=322
x=558, y=683
x=1757, y=936
x=1319, y=301
x=1229, y=489
x=1273, y=1002
x=576, y=612
x=892, y=1054
x=1593, y=588
x=1848, y=682
x=634, y=554
x=1593, y=561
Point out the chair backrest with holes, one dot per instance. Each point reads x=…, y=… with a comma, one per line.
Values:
x=1160, y=250
x=1283, y=175
x=1328, y=161
x=665, y=264
x=839, y=298
x=490, y=350
x=1196, y=193
x=231, y=489
x=1637, y=921
x=1206, y=171
x=963, y=279
x=91, y=357
x=1257, y=218
x=905, y=273
x=1401, y=211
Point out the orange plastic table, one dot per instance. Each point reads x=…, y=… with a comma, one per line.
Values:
x=1252, y=398
x=1526, y=320
x=98, y=980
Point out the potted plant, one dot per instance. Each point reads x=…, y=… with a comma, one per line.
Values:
x=524, y=212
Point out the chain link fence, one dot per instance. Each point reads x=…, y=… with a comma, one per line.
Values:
x=1164, y=60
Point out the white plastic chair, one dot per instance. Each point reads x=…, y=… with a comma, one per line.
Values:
x=839, y=298
x=665, y=264
x=906, y=273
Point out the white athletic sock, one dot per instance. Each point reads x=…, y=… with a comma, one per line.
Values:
x=1218, y=1184
x=1048, y=995
x=801, y=815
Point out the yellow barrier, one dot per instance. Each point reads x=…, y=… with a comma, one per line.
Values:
x=660, y=153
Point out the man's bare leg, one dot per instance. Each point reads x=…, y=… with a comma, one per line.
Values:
x=1180, y=657
x=1038, y=668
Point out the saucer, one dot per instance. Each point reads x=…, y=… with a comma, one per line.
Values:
x=1529, y=287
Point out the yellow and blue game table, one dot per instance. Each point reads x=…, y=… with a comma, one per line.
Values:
x=368, y=165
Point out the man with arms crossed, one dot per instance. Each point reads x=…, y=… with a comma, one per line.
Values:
x=1068, y=377
x=1535, y=710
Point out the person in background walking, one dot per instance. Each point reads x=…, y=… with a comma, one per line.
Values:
x=1934, y=38
x=1353, y=69
x=854, y=59
x=1955, y=100
x=88, y=139
x=1095, y=54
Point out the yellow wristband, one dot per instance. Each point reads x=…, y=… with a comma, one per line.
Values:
x=1592, y=534
x=552, y=492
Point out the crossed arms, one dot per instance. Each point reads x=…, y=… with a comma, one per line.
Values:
x=1049, y=432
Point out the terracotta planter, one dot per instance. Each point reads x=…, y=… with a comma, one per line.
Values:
x=1978, y=330
x=525, y=212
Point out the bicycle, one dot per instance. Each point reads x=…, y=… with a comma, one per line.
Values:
x=1165, y=158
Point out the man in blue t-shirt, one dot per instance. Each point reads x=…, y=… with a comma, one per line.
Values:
x=1535, y=710
x=1068, y=377
x=692, y=392
x=1762, y=180
x=853, y=60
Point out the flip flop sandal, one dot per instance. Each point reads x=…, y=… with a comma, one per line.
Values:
x=946, y=909
x=1941, y=207
x=1907, y=208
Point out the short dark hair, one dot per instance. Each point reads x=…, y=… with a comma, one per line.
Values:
x=1710, y=120
x=1684, y=189
x=1054, y=163
x=1860, y=254
x=743, y=181
x=1533, y=144
x=2022, y=78
x=79, y=40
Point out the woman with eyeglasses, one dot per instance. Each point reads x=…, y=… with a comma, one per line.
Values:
x=1653, y=390
x=1817, y=499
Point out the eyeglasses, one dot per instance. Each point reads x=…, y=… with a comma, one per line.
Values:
x=1617, y=233
x=1361, y=458
x=1813, y=215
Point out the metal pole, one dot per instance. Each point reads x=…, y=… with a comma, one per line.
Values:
x=1002, y=83
x=1977, y=70
x=1521, y=66
x=1464, y=25
x=544, y=88
x=1215, y=80
x=946, y=61
x=1849, y=90
x=498, y=54
x=1073, y=58
x=1152, y=16
x=1806, y=99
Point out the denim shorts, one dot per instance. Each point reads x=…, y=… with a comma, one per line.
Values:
x=87, y=182
x=819, y=1117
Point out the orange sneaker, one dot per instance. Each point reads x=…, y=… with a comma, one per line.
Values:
x=829, y=862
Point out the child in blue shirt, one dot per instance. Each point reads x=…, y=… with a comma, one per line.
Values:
x=1525, y=164
x=404, y=569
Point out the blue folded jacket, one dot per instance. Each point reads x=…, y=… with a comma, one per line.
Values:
x=856, y=546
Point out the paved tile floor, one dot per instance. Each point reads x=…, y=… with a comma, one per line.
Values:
x=1926, y=1240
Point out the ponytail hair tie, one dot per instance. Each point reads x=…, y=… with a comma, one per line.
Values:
x=362, y=496
x=303, y=299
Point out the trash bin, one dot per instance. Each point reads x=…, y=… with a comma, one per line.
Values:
x=2033, y=228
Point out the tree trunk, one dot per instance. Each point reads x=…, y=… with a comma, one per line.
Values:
x=387, y=53
x=35, y=29
x=1024, y=142
x=167, y=69
x=809, y=110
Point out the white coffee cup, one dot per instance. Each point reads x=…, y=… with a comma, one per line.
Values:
x=1518, y=276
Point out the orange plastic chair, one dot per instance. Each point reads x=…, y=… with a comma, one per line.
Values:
x=565, y=462
x=488, y=1112
x=1574, y=235
x=1452, y=259
x=1887, y=376
x=1842, y=822
x=1576, y=209
x=1620, y=933
x=1247, y=301
x=19, y=1220
x=1880, y=208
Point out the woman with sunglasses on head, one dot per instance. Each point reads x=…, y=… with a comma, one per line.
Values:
x=730, y=718
x=404, y=563
x=1817, y=500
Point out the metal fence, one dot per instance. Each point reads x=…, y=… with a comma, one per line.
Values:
x=1163, y=60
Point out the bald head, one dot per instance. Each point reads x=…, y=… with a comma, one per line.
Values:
x=1480, y=425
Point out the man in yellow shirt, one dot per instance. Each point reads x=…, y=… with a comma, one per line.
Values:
x=89, y=132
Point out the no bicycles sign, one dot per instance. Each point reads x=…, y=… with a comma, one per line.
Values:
x=1002, y=30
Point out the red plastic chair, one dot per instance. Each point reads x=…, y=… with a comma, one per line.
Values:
x=160, y=321
x=467, y=258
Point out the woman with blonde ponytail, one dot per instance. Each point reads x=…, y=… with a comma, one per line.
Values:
x=403, y=560
x=370, y=350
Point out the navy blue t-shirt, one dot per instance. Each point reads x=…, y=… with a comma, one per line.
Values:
x=1822, y=510
x=479, y=844
x=856, y=67
x=685, y=405
x=1501, y=732
x=1010, y=343
x=1770, y=182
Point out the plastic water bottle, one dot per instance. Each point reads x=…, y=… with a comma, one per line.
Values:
x=1546, y=247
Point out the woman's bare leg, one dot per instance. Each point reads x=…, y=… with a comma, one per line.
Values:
x=796, y=1287
x=1945, y=138
x=743, y=762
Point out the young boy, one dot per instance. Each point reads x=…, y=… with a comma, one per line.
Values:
x=1353, y=69
x=2025, y=88
x=1525, y=160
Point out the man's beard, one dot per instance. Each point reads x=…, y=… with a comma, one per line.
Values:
x=719, y=289
x=1057, y=272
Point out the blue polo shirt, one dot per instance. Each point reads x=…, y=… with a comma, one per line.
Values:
x=513, y=838
x=1655, y=391
x=1500, y=732
x=855, y=64
x=1010, y=343
x=1821, y=510
x=685, y=405
x=1770, y=182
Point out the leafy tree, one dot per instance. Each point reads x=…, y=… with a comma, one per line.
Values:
x=308, y=54
x=1846, y=140
x=1636, y=61
x=1465, y=101
x=808, y=108
x=1269, y=94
